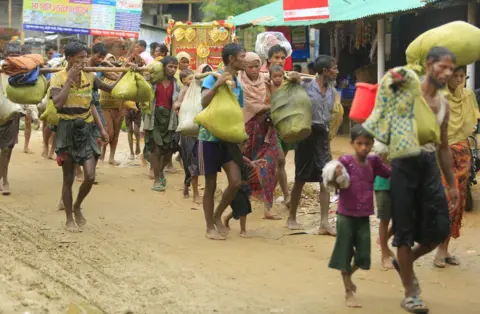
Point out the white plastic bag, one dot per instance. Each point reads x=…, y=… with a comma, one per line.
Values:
x=328, y=175
x=267, y=40
x=8, y=109
x=191, y=106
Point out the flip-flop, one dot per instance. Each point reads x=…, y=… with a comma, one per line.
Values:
x=439, y=262
x=414, y=305
x=452, y=260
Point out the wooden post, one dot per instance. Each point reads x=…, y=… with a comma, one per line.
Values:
x=189, y=11
x=380, y=49
x=472, y=19
x=10, y=13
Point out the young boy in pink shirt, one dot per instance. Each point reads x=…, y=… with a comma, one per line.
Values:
x=354, y=208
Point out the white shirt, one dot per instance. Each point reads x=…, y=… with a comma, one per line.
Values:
x=147, y=58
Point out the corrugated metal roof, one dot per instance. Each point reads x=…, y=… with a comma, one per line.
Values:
x=340, y=10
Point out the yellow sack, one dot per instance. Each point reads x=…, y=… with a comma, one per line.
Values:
x=223, y=117
x=126, y=88
x=156, y=72
x=129, y=105
x=50, y=115
x=337, y=116
x=459, y=37
x=28, y=95
x=144, y=89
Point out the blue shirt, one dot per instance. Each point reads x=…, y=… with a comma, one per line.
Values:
x=322, y=106
x=208, y=83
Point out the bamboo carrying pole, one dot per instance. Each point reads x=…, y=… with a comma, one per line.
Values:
x=93, y=69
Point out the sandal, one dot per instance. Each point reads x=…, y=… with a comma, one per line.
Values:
x=452, y=260
x=414, y=305
x=439, y=262
x=160, y=186
x=416, y=283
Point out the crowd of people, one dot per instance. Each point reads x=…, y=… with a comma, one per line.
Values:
x=422, y=195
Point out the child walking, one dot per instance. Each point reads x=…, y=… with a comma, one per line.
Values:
x=384, y=214
x=241, y=205
x=354, y=208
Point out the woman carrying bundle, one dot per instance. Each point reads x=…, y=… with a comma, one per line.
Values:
x=261, y=144
x=464, y=116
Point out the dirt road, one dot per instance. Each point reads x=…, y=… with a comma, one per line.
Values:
x=144, y=252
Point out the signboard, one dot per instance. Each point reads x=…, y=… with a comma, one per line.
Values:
x=305, y=10
x=120, y=18
x=300, y=43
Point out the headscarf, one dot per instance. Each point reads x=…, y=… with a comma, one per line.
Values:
x=254, y=92
x=463, y=114
x=181, y=55
x=201, y=67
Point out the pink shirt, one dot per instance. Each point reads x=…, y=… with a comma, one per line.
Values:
x=357, y=200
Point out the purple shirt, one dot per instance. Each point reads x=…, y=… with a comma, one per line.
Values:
x=357, y=200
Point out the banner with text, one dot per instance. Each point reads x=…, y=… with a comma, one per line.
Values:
x=120, y=18
x=305, y=10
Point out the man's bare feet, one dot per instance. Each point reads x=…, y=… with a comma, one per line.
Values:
x=138, y=151
x=326, y=229
x=51, y=154
x=226, y=221
x=271, y=216
x=6, y=189
x=287, y=202
x=245, y=234
x=79, y=219
x=27, y=150
x=71, y=226
x=45, y=153
x=387, y=262
x=114, y=162
x=221, y=228
x=131, y=157
x=197, y=199
x=186, y=193
x=213, y=234
x=293, y=225
x=351, y=300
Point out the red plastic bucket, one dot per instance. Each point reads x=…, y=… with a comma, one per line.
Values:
x=363, y=102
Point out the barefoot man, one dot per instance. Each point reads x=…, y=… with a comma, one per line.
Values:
x=112, y=107
x=9, y=129
x=215, y=154
x=313, y=153
x=71, y=92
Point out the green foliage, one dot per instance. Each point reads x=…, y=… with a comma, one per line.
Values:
x=222, y=9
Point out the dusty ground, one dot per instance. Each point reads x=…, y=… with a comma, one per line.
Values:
x=145, y=252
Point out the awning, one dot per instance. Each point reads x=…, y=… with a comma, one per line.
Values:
x=340, y=11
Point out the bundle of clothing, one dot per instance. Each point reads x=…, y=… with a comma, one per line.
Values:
x=398, y=107
x=22, y=64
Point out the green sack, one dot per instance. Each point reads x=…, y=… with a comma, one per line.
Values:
x=223, y=117
x=156, y=72
x=459, y=37
x=126, y=88
x=292, y=112
x=28, y=95
x=144, y=89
